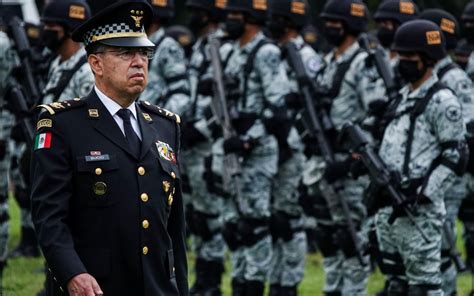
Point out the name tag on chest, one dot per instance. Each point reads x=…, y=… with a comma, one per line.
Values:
x=93, y=158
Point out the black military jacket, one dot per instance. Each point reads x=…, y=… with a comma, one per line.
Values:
x=98, y=209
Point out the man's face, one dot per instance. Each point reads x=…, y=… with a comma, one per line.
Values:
x=124, y=70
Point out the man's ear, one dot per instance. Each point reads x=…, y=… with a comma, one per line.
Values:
x=96, y=64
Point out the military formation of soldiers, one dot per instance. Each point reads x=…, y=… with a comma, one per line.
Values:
x=367, y=144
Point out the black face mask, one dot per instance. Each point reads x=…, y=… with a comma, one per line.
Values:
x=409, y=71
x=51, y=40
x=335, y=36
x=276, y=29
x=469, y=34
x=385, y=36
x=197, y=22
x=234, y=28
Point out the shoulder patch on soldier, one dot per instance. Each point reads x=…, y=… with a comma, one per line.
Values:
x=58, y=107
x=453, y=113
x=160, y=111
x=314, y=64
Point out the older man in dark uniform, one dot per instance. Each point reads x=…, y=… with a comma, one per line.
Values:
x=106, y=193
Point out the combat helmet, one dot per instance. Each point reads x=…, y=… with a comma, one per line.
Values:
x=447, y=22
x=353, y=13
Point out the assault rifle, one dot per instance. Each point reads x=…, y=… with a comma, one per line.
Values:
x=25, y=71
x=380, y=174
x=231, y=167
x=312, y=118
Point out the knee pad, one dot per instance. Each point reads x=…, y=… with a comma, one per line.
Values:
x=466, y=211
x=397, y=287
x=323, y=236
x=254, y=288
x=424, y=290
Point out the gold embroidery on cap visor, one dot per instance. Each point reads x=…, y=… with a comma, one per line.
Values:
x=448, y=26
x=220, y=4
x=407, y=8
x=298, y=7
x=433, y=38
x=77, y=12
x=357, y=10
x=260, y=4
x=118, y=35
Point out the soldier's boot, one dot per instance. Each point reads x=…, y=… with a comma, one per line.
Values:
x=274, y=290
x=397, y=287
x=424, y=290
x=332, y=294
x=199, y=284
x=28, y=246
x=212, y=278
x=289, y=291
x=238, y=288
x=254, y=288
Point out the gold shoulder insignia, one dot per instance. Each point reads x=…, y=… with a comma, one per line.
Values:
x=160, y=111
x=57, y=107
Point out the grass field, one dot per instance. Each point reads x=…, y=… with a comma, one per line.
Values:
x=23, y=277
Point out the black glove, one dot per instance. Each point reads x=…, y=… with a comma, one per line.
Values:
x=337, y=170
x=3, y=149
x=191, y=135
x=311, y=146
x=206, y=87
x=280, y=227
x=237, y=145
x=293, y=101
x=230, y=234
x=358, y=169
x=377, y=107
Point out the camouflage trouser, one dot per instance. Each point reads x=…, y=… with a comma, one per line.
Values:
x=18, y=179
x=347, y=275
x=422, y=260
x=453, y=200
x=289, y=256
x=288, y=261
x=468, y=234
x=204, y=202
x=252, y=263
x=6, y=120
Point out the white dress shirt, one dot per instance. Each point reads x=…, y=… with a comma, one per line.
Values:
x=113, y=108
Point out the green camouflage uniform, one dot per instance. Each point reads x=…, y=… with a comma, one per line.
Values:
x=6, y=121
x=441, y=122
x=458, y=81
x=267, y=86
x=168, y=84
x=289, y=253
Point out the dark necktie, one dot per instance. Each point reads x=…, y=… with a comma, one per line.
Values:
x=130, y=135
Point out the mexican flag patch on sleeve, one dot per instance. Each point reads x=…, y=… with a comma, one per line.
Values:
x=43, y=141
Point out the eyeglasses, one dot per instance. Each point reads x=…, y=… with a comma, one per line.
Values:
x=127, y=54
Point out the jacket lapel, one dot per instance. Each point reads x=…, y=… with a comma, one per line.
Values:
x=149, y=133
x=105, y=124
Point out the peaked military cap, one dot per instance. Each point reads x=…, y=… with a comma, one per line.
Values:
x=120, y=24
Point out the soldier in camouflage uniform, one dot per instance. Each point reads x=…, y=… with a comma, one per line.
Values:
x=256, y=87
x=205, y=207
x=168, y=84
x=286, y=20
x=6, y=120
x=69, y=77
x=345, y=275
x=467, y=208
x=424, y=146
x=452, y=76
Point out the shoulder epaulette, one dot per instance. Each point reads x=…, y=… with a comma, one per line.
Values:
x=160, y=111
x=58, y=107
